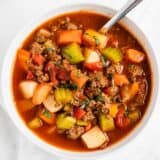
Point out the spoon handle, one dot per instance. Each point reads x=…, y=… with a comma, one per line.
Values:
x=128, y=7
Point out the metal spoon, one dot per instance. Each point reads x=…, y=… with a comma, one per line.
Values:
x=125, y=9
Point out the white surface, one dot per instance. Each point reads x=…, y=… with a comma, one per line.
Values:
x=13, y=16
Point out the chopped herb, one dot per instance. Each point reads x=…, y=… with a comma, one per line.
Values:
x=112, y=81
x=73, y=86
x=131, y=66
x=103, y=60
x=47, y=50
x=96, y=40
x=86, y=33
x=46, y=113
x=99, y=98
x=69, y=86
x=110, y=76
x=85, y=104
x=126, y=109
x=78, y=73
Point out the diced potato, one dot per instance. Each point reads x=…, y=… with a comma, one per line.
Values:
x=94, y=38
x=106, y=122
x=91, y=56
x=94, y=138
x=113, y=110
x=113, y=54
x=65, y=122
x=41, y=93
x=35, y=123
x=27, y=88
x=73, y=53
x=51, y=104
x=23, y=57
x=25, y=104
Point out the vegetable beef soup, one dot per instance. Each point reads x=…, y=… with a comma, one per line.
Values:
x=79, y=89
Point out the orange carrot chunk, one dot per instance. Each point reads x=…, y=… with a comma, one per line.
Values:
x=38, y=59
x=78, y=78
x=134, y=56
x=47, y=116
x=120, y=79
x=69, y=36
x=23, y=57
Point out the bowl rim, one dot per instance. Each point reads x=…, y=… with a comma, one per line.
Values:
x=6, y=79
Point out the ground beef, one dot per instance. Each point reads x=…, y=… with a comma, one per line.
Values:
x=68, y=66
x=115, y=68
x=118, y=67
x=134, y=71
x=89, y=116
x=75, y=132
x=72, y=26
x=141, y=96
x=91, y=93
x=97, y=80
x=36, y=48
x=107, y=99
x=102, y=108
x=42, y=35
x=113, y=90
x=139, y=99
x=43, y=78
x=110, y=70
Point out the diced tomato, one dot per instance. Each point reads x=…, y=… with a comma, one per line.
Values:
x=38, y=59
x=79, y=113
x=97, y=66
x=30, y=75
x=105, y=90
x=62, y=74
x=121, y=120
x=50, y=68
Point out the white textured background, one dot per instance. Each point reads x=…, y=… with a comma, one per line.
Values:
x=14, y=14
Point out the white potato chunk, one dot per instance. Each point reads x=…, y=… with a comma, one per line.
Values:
x=94, y=138
x=41, y=93
x=51, y=105
x=27, y=88
x=91, y=56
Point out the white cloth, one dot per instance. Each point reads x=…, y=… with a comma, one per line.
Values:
x=14, y=14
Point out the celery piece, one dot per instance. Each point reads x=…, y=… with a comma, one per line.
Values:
x=134, y=116
x=65, y=122
x=81, y=123
x=106, y=122
x=73, y=53
x=113, y=54
x=63, y=95
x=35, y=123
x=95, y=38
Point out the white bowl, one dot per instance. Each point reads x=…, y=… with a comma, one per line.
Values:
x=6, y=85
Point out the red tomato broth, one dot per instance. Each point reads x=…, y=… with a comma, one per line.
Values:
x=88, y=20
